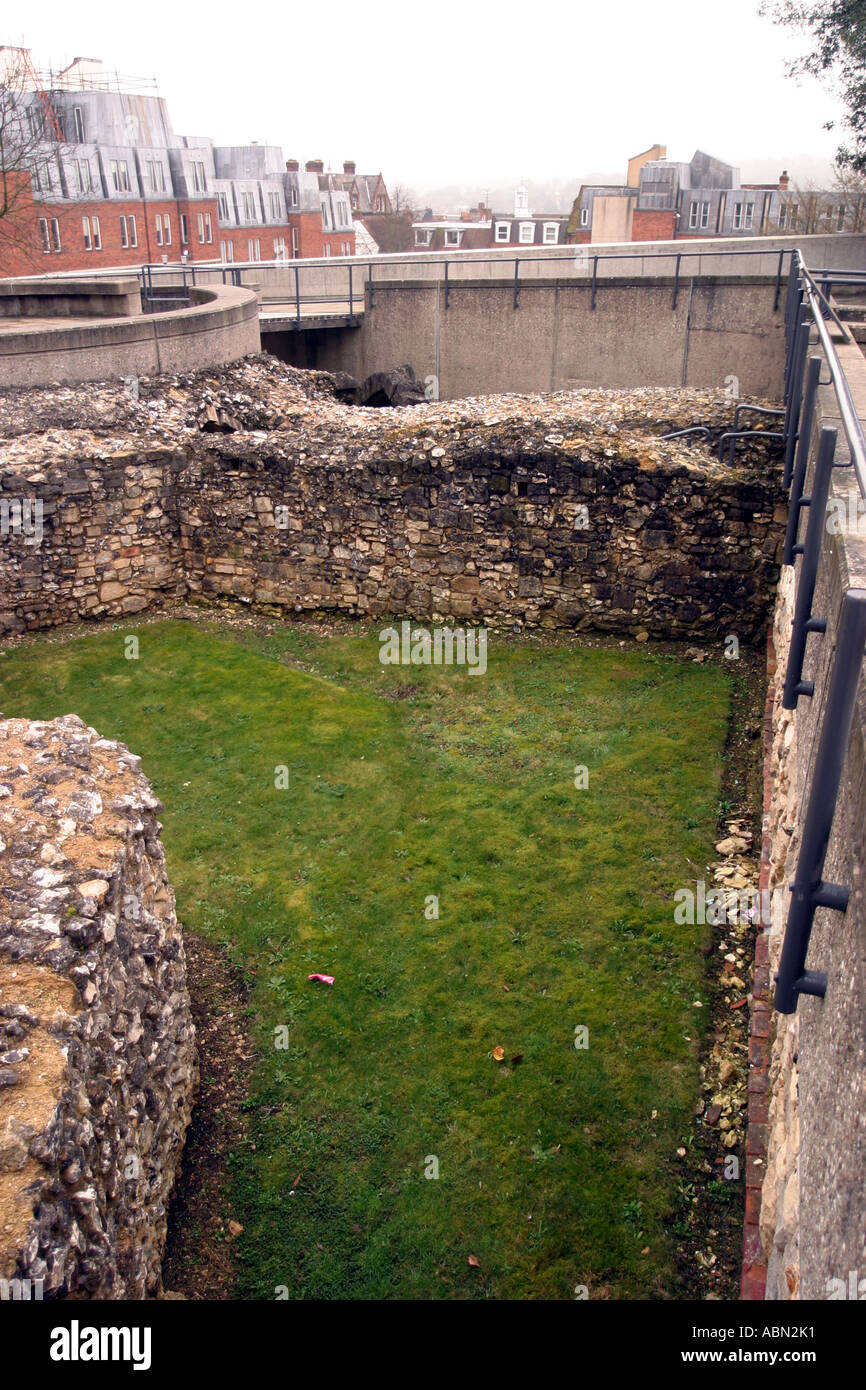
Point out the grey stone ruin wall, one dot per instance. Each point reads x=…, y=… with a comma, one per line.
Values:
x=97, y=1046
x=590, y=535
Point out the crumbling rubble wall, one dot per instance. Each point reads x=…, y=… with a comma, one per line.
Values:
x=97, y=1048
x=568, y=511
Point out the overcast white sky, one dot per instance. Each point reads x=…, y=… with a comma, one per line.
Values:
x=463, y=91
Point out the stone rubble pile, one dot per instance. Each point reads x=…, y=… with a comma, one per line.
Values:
x=97, y=1046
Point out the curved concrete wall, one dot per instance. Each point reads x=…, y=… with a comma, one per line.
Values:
x=221, y=327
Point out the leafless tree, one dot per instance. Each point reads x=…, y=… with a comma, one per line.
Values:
x=28, y=157
x=809, y=210
x=403, y=200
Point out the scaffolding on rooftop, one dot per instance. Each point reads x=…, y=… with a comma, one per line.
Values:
x=73, y=80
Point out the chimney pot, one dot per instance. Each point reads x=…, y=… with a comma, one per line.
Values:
x=348, y=166
x=315, y=166
x=292, y=166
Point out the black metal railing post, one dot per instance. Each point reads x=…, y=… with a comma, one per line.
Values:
x=798, y=367
x=516, y=281
x=804, y=623
x=809, y=891
x=447, y=286
x=778, y=282
x=801, y=461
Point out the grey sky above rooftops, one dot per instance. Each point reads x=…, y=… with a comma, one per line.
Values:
x=465, y=93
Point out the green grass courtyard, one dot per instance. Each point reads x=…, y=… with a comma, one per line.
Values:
x=411, y=792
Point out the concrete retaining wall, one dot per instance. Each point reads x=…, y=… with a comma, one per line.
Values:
x=99, y=297
x=221, y=327
x=720, y=329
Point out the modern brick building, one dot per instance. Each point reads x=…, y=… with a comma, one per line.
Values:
x=111, y=184
x=667, y=200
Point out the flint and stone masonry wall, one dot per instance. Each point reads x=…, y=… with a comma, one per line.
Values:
x=541, y=534
x=97, y=1049
x=813, y=1207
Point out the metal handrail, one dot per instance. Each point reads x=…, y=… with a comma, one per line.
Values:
x=847, y=410
x=808, y=306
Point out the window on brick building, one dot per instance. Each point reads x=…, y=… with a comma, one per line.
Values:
x=295, y=199
x=527, y=231
x=254, y=250
x=699, y=215
x=133, y=232
x=551, y=233
x=124, y=233
x=503, y=231
x=200, y=220
x=380, y=204
x=227, y=250
x=222, y=207
x=280, y=250
x=120, y=175
x=78, y=125
x=167, y=224
x=184, y=229
x=85, y=228
x=327, y=248
x=249, y=204
x=294, y=243
x=55, y=235
x=159, y=229
x=208, y=228
x=97, y=234
x=584, y=217
x=423, y=236
x=452, y=237
x=35, y=181
x=45, y=235
x=198, y=179
x=276, y=206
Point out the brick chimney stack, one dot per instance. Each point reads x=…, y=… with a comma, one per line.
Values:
x=292, y=166
x=783, y=180
x=348, y=166
x=315, y=166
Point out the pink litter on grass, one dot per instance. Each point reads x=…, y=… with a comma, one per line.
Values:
x=325, y=979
